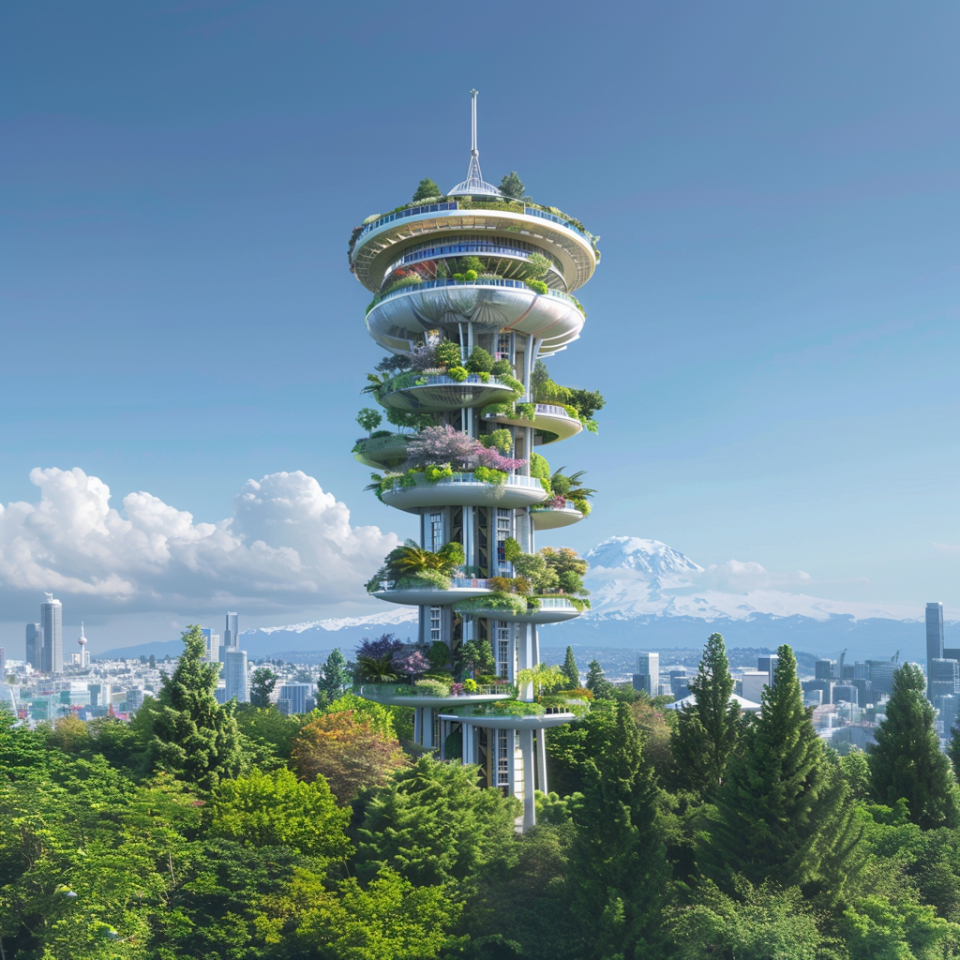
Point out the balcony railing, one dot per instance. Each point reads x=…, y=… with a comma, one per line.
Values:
x=515, y=284
x=543, y=215
x=567, y=505
x=442, y=380
x=556, y=603
x=405, y=690
x=456, y=247
x=456, y=583
x=513, y=480
x=403, y=214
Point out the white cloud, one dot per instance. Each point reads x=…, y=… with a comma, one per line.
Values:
x=288, y=542
x=736, y=576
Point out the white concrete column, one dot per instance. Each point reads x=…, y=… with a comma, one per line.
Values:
x=542, y=760
x=467, y=733
x=426, y=726
x=529, y=807
x=417, y=724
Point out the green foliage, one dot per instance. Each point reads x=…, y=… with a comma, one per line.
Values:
x=570, y=669
x=195, y=738
x=369, y=419
x=476, y=657
x=538, y=285
x=707, y=730
x=511, y=186
x=494, y=601
x=502, y=368
x=276, y=809
x=538, y=266
x=262, y=684
x=597, y=683
x=447, y=353
x=435, y=474
x=427, y=190
x=438, y=654
x=489, y=475
x=334, y=678
x=907, y=762
x=501, y=440
x=458, y=374
x=783, y=813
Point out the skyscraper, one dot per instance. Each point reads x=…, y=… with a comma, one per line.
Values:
x=824, y=669
x=231, y=632
x=647, y=676
x=235, y=674
x=211, y=640
x=471, y=290
x=934, y=637
x=51, y=628
x=33, y=650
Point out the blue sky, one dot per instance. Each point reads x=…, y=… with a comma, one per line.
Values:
x=774, y=322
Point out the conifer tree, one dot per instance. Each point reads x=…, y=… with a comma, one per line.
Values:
x=953, y=748
x=427, y=189
x=570, y=670
x=782, y=812
x=262, y=684
x=708, y=729
x=193, y=736
x=597, y=683
x=618, y=872
x=907, y=762
x=334, y=678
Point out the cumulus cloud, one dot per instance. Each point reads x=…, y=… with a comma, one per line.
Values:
x=736, y=576
x=288, y=542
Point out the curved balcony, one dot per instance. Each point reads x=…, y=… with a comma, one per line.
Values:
x=510, y=721
x=461, y=588
x=407, y=313
x=549, y=417
x=552, y=610
x=383, y=241
x=380, y=452
x=464, y=491
x=403, y=695
x=440, y=392
x=552, y=518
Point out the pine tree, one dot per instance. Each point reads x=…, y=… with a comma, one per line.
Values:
x=907, y=762
x=953, y=748
x=427, y=190
x=782, y=811
x=708, y=729
x=618, y=871
x=193, y=736
x=570, y=670
x=597, y=683
x=334, y=678
x=512, y=186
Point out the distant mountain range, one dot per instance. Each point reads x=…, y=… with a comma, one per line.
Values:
x=646, y=595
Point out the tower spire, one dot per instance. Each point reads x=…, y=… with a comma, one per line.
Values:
x=474, y=184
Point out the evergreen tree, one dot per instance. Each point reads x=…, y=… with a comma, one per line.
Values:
x=907, y=762
x=334, y=678
x=782, y=811
x=707, y=729
x=953, y=748
x=512, y=186
x=427, y=190
x=570, y=670
x=597, y=683
x=261, y=686
x=618, y=872
x=193, y=736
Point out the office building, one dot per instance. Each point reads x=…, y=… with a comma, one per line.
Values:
x=949, y=709
x=647, y=676
x=235, y=674
x=51, y=632
x=32, y=652
x=943, y=678
x=753, y=683
x=231, y=632
x=861, y=671
x=495, y=317
x=934, y=624
x=679, y=684
x=846, y=693
x=134, y=699
x=824, y=669
x=211, y=644
x=296, y=697
x=768, y=664
x=881, y=674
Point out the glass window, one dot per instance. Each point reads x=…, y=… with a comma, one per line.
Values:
x=435, y=624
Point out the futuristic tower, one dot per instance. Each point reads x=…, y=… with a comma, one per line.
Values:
x=411, y=260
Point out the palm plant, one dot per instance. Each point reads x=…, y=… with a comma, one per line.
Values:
x=410, y=558
x=570, y=486
x=541, y=677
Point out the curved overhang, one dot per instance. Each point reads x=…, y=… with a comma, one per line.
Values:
x=514, y=492
x=382, y=452
x=533, y=722
x=389, y=699
x=552, y=518
x=430, y=597
x=375, y=250
x=437, y=396
x=548, y=417
x=404, y=317
x=551, y=614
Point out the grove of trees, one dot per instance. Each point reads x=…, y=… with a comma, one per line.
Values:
x=235, y=833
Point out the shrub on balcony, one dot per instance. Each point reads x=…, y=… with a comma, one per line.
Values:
x=538, y=285
x=458, y=374
x=479, y=361
x=502, y=368
x=496, y=601
x=489, y=475
x=470, y=686
x=432, y=688
x=438, y=655
x=447, y=353
x=525, y=411
x=425, y=579
x=501, y=440
x=414, y=280
x=434, y=474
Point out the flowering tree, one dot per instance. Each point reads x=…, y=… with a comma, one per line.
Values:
x=411, y=664
x=492, y=458
x=434, y=446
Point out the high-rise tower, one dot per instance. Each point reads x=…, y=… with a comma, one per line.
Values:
x=51, y=629
x=472, y=290
x=934, y=624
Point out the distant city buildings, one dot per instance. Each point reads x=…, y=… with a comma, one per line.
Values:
x=33, y=645
x=647, y=676
x=235, y=674
x=231, y=632
x=297, y=697
x=212, y=648
x=51, y=633
x=934, y=623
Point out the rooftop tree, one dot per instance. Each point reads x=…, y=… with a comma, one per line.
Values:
x=426, y=190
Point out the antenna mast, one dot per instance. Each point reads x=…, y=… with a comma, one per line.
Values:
x=473, y=124
x=474, y=185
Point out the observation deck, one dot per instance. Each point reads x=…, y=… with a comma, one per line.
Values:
x=403, y=695
x=461, y=588
x=385, y=240
x=463, y=490
x=508, y=721
x=380, y=452
x=549, y=417
x=405, y=314
x=439, y=392
x=552, y=610
x=552, y=518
